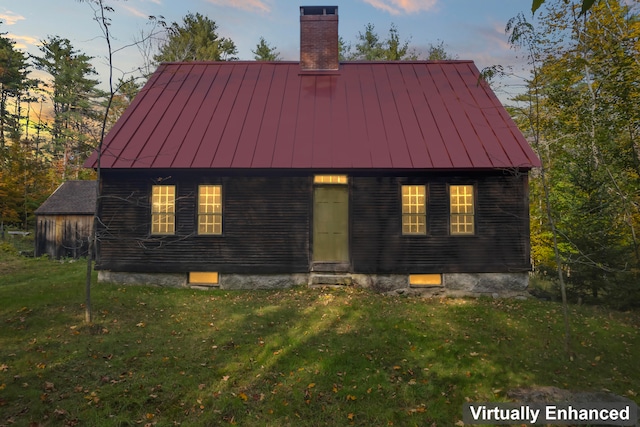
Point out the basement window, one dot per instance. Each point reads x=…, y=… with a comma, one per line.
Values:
x=210, y=209
x=414, y=209
x=425, y=280
x=163, y=209
x=204, y=278
x=462, y=210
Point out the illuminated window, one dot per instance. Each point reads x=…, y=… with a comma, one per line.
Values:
x=462, y=209
x=210, y=209
x=425, y=280
x=163, y=209
x=414, y=211
x=330, y=179
x=204, y=278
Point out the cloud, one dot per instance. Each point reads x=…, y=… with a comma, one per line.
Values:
x=133, y=11
x=23, y=41
x=260, y=6
x=397, y=7
x=10, y=18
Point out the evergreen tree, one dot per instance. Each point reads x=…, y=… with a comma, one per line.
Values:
x=74, y=94
x=265, y=52
x=195, y=39
x=13, y=83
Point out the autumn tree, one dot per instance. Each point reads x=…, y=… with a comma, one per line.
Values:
x=586, y=94
x=586, y=5
x=195, y=39
x=265, y=52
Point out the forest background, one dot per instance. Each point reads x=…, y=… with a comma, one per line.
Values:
x=580, y=110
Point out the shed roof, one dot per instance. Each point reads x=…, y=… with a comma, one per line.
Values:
x=71, y=198
x=368, y=115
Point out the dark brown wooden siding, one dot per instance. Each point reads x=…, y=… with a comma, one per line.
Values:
x=265, y=225
x=500, y=243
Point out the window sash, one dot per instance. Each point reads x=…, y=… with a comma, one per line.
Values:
x=462, y=209
x=163, y=209
x=414, y=209
x=210, y=209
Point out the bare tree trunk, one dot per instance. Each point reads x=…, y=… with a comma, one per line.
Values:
x=103, y=21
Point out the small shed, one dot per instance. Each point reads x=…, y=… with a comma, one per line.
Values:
x=64, y=220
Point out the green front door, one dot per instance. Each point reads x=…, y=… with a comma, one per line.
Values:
x=331, y=223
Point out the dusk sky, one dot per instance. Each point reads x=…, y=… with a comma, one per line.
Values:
x=469, y=29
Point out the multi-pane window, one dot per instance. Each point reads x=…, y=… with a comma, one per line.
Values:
x=330, y=179
x=414, y=210
x=210, y=209
x=462, y=209
x=163, y=209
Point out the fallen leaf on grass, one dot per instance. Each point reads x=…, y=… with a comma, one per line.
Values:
x=4, y=367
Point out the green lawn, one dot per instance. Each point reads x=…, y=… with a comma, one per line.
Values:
x=299, y=357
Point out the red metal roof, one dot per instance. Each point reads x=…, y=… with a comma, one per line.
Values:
x=382, y=115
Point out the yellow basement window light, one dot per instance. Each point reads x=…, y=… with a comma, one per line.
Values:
x=330, y=179
x=425, y=279
x=204, y=278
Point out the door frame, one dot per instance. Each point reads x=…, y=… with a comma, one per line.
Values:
x=330, y=266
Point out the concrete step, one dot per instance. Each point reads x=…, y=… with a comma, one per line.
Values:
x=330, y=279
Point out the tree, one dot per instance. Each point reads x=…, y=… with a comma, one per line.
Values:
x=73, y=93
x=195, y=40
x=13, y=82
x=371, y=47
x=523, y=35
x=586, y=93
x=125, y=91
x=265, y=52
x=586, y=5
x=437, y=52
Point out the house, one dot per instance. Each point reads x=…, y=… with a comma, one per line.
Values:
x=269, y=174
x=64, y=221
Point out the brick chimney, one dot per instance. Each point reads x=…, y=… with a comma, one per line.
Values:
x=319, y=38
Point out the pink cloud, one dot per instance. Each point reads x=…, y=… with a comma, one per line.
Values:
x=248, y=5
x=397, y=7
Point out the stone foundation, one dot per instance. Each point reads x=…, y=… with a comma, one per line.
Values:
x=486, y=283
x=453, y=284
x=178, y=280
x=226, y=281
x=262, y=281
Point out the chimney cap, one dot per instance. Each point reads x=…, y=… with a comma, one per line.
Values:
x=318, y=10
